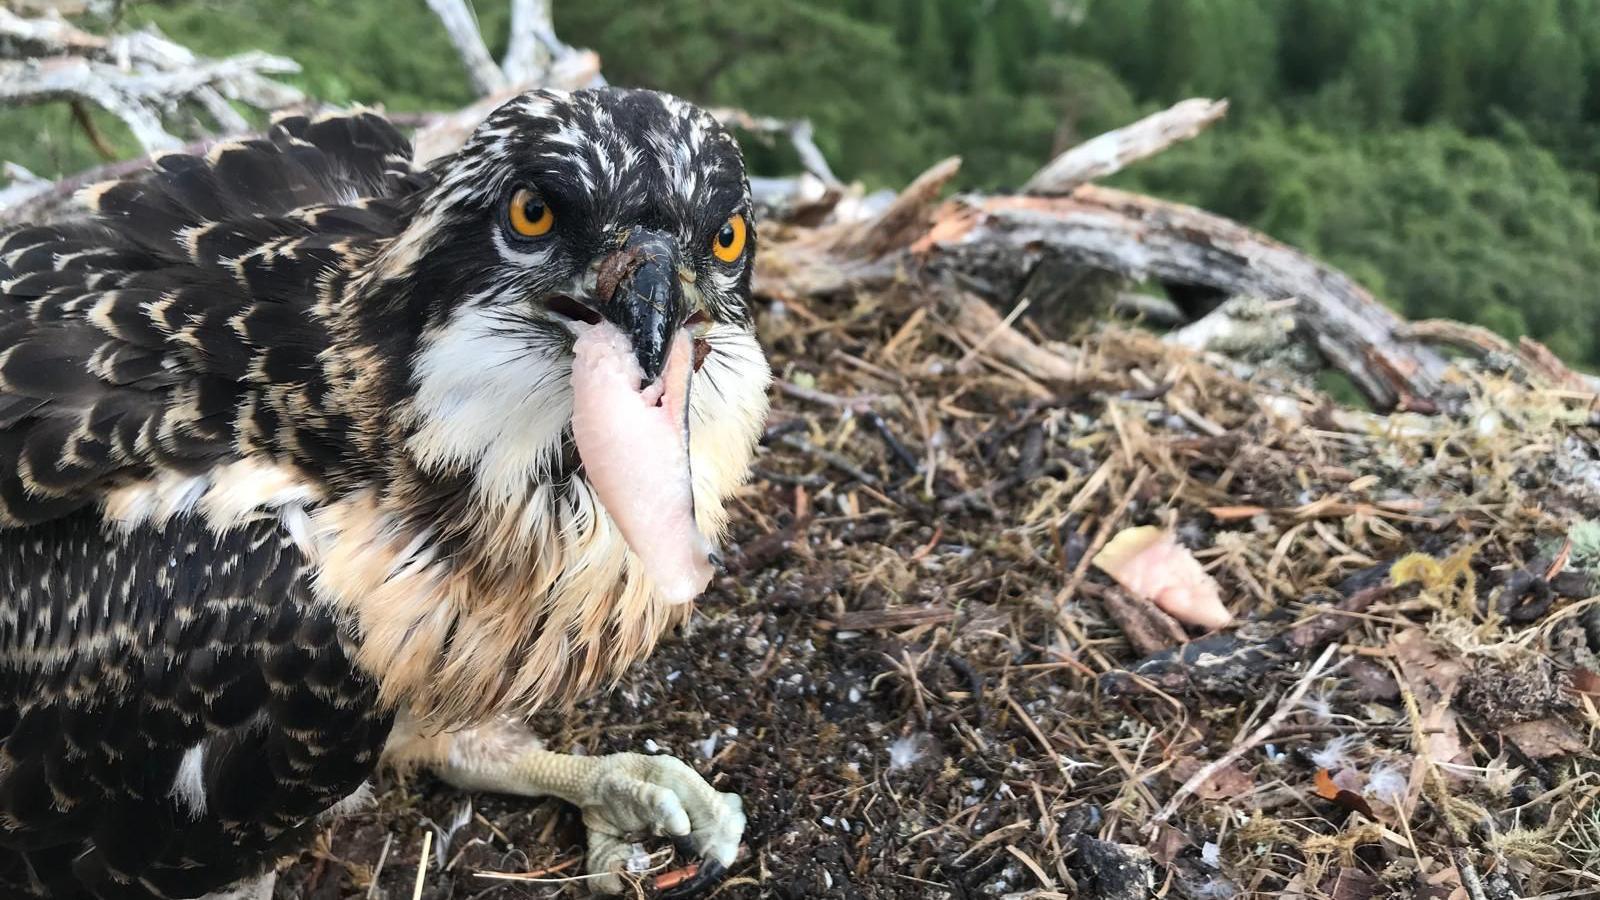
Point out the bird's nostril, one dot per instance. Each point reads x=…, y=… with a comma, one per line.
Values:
x=565, y=306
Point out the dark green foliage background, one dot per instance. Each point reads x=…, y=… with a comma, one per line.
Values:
x=1443, y=151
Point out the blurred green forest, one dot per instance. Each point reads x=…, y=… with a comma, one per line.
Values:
x=1442, y=151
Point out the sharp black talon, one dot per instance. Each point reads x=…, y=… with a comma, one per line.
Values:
x=709, y=875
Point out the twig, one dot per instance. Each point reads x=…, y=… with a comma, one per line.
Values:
x=659, y=860
x=1473, y=339
x=1148, y=308
x=837, y=460
x=1044, y=742
x=1101, y=536
x=889, y=619
x=812, y=395
x=1333, y=621
x=535, y=874
x=1110, y=152
x=996, y=241
x=528, y=48
x=422, y=864
x=896, y=447
x=39, y=200
x=1045, y=881
x=462, y=26
x=383, y=857
x=1469, y=875
x=46, y=35
x=800, y=133
x=139, y=77
x=981, y=325
x=1260, y=735
x=446, y=132
x=25, y=188
x=80, y=114
x=134, y=97
x=904, y=221
x=998, y=329
x=1147, y=627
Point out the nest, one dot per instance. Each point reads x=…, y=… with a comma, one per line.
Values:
x=922, y=687
x=917, y=677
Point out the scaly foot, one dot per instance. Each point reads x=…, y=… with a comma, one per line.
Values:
x=622, y=795
x=632, y=794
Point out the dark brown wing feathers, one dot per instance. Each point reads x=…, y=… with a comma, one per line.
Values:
x=174, y=330
x=146, y=337
x=140, y=647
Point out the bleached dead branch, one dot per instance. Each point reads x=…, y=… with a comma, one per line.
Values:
x=535, y=56
x=1109, y=153
x=461, y=24
x=532, y=44
x=141, y=77
x=799, y=132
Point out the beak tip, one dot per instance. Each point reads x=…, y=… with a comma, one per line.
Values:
x=652, y=363
x=641, y=292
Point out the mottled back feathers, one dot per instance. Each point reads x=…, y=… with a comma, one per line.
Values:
x=178, y=327
x=175, y=707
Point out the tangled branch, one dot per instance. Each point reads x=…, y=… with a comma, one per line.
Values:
x=141, y=77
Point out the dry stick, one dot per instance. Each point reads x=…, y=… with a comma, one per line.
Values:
x=1045, y=881
x=1469, y=875
x=1207, y=772
x=837, y=460
x=1044, y=742
x=383, y=856
x=461, y=24
x=983, y=340
x=1102, y=535
x=812, y=395
x=535, y=877
x=80, y=114
x=976, y=322
x=46, y=202
x=135, y=97
x=527, y=50
x=1082, y=570
x=139, y=77
x=422, y=864
x=905, y=220
x=1107, y=154
x=996, y=239
x=536, y=874
x=801, y=135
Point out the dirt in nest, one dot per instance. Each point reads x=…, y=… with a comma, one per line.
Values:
x=923, y=688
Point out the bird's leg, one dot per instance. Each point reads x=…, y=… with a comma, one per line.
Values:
x=620, y=795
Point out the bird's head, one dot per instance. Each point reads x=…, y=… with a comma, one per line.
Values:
x=572, y=299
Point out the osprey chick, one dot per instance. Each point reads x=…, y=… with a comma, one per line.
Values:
x=310, y=457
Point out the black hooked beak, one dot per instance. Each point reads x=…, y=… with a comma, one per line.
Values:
x=640, y=292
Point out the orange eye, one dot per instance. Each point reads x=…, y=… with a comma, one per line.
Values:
x=729, y=242
x=529, y=215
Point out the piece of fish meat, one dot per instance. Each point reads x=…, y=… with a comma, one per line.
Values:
x=633, y=441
